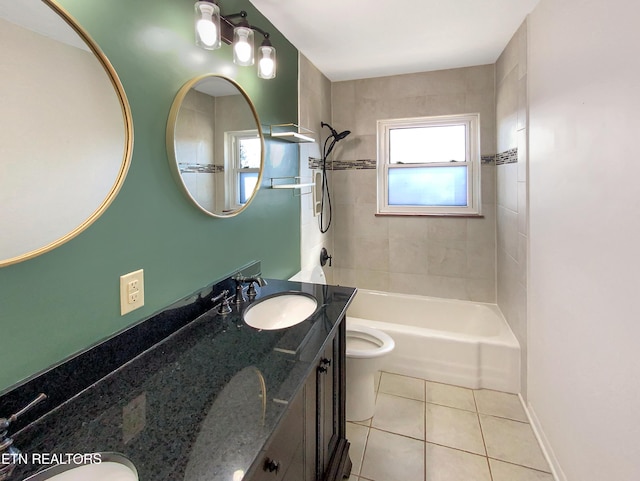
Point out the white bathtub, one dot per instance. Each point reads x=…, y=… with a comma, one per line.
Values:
x=456, y=342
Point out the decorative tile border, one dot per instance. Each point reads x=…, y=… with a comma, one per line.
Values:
x=201, y=168
x=360, y=164
x=363, y=164
x=507, y=157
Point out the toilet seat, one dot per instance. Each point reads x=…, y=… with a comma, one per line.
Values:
x=365, y=342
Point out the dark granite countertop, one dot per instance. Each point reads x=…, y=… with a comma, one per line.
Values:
x=193, y=405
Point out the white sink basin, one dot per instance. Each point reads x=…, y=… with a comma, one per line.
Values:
x=280, y=310
x=112, y=467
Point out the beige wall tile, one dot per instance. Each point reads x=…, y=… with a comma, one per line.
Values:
x=507, y=112
x=507, y=231
x=451, y=287
x=370, y=279
x=447, y=229
x=522, y=208
x=522, y=155
x=481, y=290
x=507, y=185
x=404, y=283
x=509, y=58
x=408, y=256
x=447, y=259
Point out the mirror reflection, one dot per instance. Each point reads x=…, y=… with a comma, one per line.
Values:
x=215, y=143
x=65, y=129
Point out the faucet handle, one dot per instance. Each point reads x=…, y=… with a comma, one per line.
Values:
x=5, y=422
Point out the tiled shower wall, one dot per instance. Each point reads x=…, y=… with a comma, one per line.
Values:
x=437, y=256
x=511, y=121
x=315, y=106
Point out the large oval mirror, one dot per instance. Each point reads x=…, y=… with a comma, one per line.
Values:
x=65, y=129
x=215, y=145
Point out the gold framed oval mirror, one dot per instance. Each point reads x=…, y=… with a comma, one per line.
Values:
x=66, y=133
x=215, y=145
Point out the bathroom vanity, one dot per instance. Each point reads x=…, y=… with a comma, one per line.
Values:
x=192, y=394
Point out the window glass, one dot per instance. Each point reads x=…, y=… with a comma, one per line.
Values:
x=422, y=145
x=428, y=186
x=249, y=152
x=248, y=181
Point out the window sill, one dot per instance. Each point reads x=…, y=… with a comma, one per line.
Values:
x=397, y=214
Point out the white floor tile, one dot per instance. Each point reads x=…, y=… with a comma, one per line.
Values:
x=399, y=415
x=510, y=472
x=357, y=436
x=454, y=428
x=446, y=464
x=389, y=457
x=500, y=404
x=403, y=386
x=512, y=441
x=452, y=396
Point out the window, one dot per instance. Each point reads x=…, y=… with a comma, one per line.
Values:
x=429, y=165
x=242, y=166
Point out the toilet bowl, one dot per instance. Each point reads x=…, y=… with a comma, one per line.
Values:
x=365, y=350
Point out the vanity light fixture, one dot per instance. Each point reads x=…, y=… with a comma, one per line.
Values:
x=212, y=29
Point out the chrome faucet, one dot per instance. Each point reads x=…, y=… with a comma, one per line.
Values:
x=7, y=450
x=251, y=291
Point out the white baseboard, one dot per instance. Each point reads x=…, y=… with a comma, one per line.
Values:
x=547, y=451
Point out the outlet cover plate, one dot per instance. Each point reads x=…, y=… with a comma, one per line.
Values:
x=131, y=291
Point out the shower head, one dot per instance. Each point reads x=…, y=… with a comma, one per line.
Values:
x=342, y=135
x=337, y=136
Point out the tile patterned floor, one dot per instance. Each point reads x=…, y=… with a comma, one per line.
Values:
x=426, y=431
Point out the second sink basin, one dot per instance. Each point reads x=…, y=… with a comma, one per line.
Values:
x=281, y=310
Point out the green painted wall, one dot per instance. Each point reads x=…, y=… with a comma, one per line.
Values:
x=68, y=299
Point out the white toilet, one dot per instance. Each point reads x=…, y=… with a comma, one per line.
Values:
x=365, y=348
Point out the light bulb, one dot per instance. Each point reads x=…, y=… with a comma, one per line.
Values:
x=267, y=63
x=243, y=51
x=207, y=31
x=266, y=67
x=207, y=25
x=243, y=46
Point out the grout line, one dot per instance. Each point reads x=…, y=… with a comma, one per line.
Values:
x=521, y=465
x=456, y=449
x=452, y=407
x=424, y=450
x=397, y=434
x=484, y=442
x=364, y=451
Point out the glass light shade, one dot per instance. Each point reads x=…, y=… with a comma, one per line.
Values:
x=243, y=46
x=267, y=62
x=207, y=25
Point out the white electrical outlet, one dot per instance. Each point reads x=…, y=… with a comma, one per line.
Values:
x=131, y=291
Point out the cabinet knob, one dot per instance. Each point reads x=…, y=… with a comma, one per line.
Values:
x=271, y=465
x=324, y=362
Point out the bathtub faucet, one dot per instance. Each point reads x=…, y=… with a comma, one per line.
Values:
x=251, y=291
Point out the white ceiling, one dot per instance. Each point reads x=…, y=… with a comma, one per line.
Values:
x=352, y=39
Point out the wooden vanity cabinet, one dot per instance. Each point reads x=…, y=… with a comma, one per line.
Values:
x=310, y=442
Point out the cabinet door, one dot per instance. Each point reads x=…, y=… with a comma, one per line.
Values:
x=283, y=458
x=326, y=391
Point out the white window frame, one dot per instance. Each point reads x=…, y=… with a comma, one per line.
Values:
x=232, y=168
x=472, y=123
